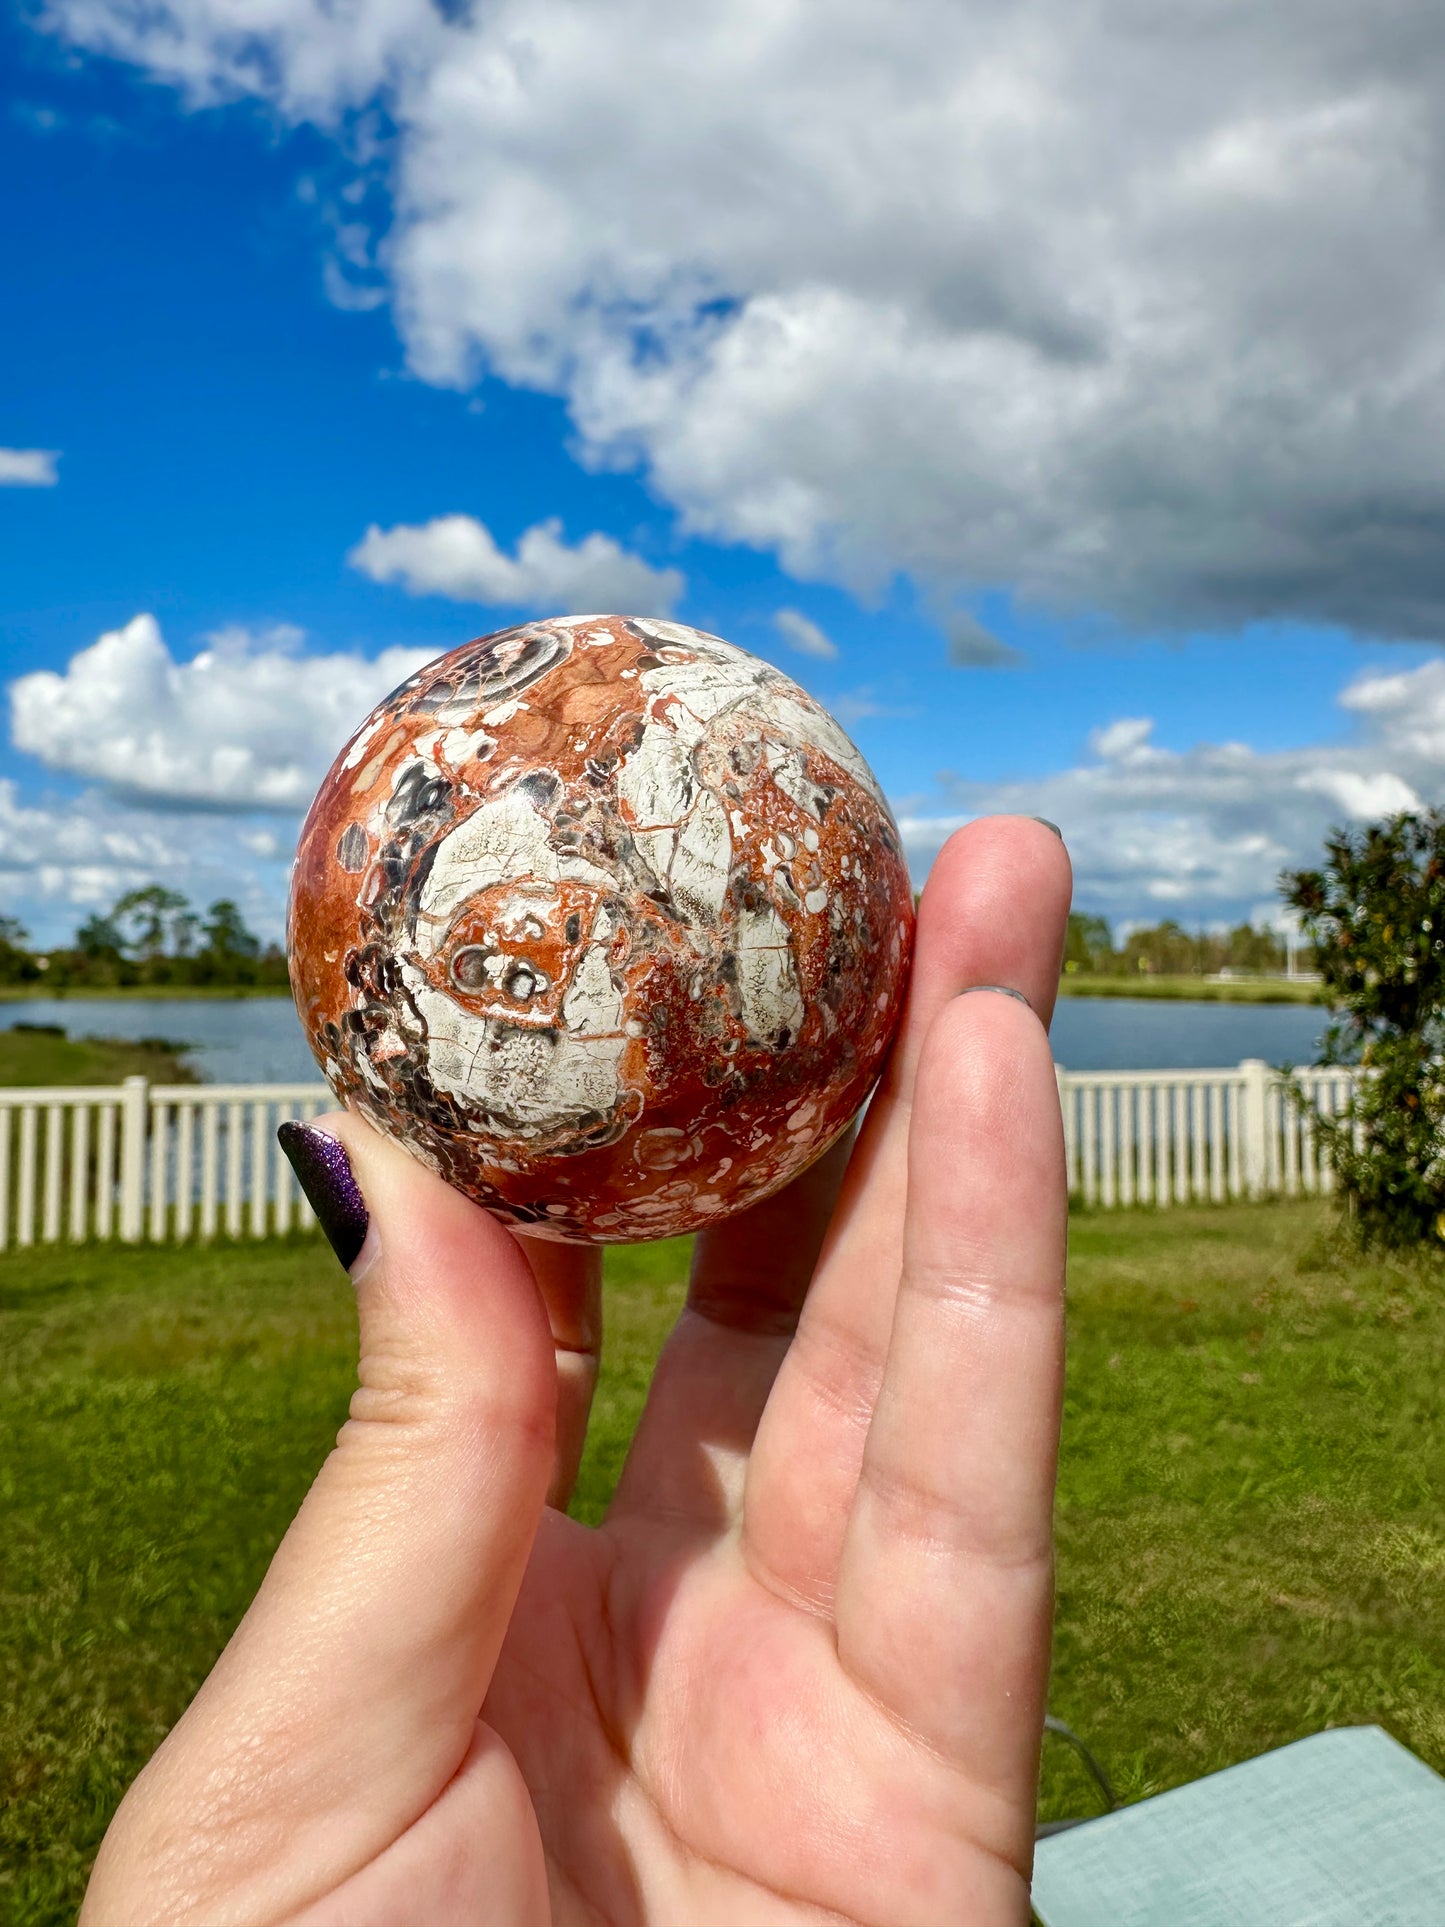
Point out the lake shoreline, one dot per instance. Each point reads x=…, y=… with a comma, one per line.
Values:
x=1195, y=990
x=1190, y=990
x=142, y=993
x=259, y=1040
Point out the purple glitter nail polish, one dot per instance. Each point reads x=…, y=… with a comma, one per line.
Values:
x=324, y=1173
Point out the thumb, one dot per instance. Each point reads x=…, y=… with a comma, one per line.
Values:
x=349, y=1695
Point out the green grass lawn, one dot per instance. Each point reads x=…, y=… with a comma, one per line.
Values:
x=1251, y=1542
x=1192, y=990
x=42, y=1054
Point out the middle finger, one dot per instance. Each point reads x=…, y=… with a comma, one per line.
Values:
x=993, y=912
x=569, y=1281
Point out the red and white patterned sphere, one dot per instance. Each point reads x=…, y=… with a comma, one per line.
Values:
x=605, y=920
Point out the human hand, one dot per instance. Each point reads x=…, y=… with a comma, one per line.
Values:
x=799, y=1673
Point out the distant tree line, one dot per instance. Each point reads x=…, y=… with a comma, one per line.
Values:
x=148, y=937
x=1169, y=950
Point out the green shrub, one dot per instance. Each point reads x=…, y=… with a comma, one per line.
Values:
x=1375, y=912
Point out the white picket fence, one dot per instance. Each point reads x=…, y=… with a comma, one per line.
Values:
x=150, y=1161
x=173, y=1161
x=1194, y=1137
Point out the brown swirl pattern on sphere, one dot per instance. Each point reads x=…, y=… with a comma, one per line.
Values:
x=607, y=921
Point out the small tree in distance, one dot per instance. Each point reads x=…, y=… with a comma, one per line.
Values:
x=153, y=921
x=1088, y=943
x=17, y=966
x=227, y=937
x=1375, y=913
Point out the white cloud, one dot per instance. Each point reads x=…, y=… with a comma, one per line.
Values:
x=1122, y=738
x=1134, y=309
x=800, y=632
x=1205, y=832
x=345, y=291
x=247, y=724
x=314, y=58
x=29, y=467
x=62, y=858
x=1361, y=796
x=76, y=847
x=1408, y=707
x=234, y=642
x=456, y=556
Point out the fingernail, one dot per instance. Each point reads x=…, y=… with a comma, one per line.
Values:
x=324, y=1173
x=999, y=990
x=1050, y=826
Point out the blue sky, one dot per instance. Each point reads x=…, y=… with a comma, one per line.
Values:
x=230, y=309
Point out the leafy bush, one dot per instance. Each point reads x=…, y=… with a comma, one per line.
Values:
x=1375, y=912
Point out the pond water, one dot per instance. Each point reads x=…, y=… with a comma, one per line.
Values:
x=1151, y=1034
x=237, y=1040
x=257, y=1040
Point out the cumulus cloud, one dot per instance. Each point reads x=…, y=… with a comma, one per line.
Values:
x=79, y=849
x=246, y=724
x=29, y=467
x=1361, y=796
x=456, y=556
x=800, y=632
x=1204, y=832
x=61, y=858
x=1123, y=738
x=1137, y=310
x=196, y=771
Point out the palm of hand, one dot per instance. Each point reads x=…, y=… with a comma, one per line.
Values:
x=798, y=1674
x=696, y=1753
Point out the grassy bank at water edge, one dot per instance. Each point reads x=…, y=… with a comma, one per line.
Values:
x=40, y=1055
x=1241, y=990
x=1193, y=990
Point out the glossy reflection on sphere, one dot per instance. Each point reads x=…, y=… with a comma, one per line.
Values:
x=604, y=919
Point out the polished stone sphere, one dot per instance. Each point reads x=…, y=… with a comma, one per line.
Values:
x=606, y=921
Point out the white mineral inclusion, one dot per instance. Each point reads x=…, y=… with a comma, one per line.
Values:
x=767, y=976
x=534, y=1079
x=506, y=839
x=533, y=1075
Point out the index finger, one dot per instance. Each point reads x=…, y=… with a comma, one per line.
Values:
x=945, y=1587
